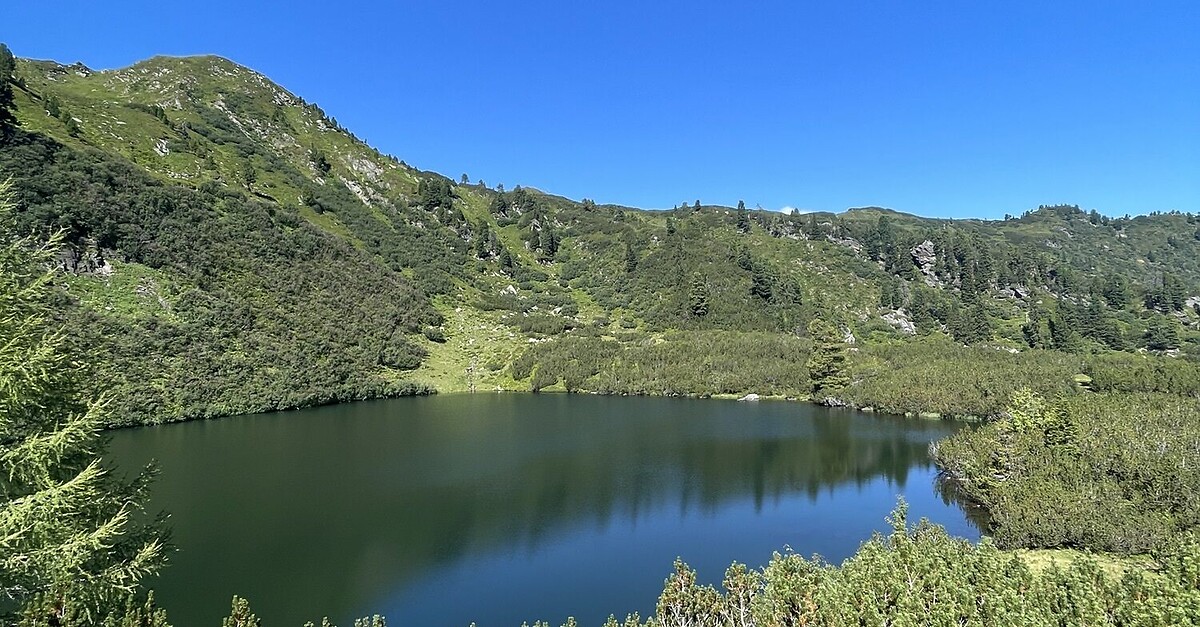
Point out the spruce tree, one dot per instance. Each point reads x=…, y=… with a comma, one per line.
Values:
x=1162, y=334
x=1035, y=330
x=969, y=324
x=8, y=67
x=240, y=615
x=762, y=281
x=8, y=64
x=698, y=297
x=547, y=243
x=827, y=361
x=67, y=535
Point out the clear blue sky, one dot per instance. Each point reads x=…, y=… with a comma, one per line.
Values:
x=937, y=108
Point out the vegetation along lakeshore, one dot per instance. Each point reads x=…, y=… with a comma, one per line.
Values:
x=996, y=421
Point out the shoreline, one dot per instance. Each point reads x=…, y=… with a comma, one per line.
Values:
x=423, y=388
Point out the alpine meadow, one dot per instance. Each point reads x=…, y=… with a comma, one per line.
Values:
x=184, y=239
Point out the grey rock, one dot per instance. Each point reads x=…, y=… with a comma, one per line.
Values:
x=898, y=319
x=925, y=258
x=87, y=259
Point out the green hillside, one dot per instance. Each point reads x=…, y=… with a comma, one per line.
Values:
x=232, y=248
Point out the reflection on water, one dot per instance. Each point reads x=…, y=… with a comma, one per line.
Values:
x=503, y=508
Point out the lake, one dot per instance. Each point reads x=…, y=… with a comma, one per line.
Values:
x=503, y=508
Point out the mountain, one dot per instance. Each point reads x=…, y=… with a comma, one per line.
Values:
x=233, y=249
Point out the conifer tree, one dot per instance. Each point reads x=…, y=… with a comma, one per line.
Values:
x=8, y=67
x=969, y=324
x=743, y=218
x=827, y=362
x=52, y=106
x=631, y=259
x=1035, y=330
x=1162, y=334
x=698, y=296
x=66, y=529
x=240, y=615
x=547, y=243
x=762, y=280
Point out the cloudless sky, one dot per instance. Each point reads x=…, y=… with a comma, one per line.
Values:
x=941, y=108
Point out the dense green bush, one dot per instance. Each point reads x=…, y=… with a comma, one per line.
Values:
x=681, y=363
x=921, y=576
x=544, y=324
x=136, y=611
x=1123, y=372
x=945, y=378
x=1114, y=472
x=258, y=310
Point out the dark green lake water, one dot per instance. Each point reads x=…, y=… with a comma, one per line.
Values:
x=500, y=509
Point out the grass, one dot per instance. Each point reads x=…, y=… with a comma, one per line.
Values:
x=1039, y=560
x=330, y=224
x=132, y=291
x=476, y=341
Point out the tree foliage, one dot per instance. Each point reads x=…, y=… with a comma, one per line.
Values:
x=252, y=308
x=8, y=67
x=66, y=524
x=919, y=575
x=686, y=363
x=1113, y=472
x=827, y=362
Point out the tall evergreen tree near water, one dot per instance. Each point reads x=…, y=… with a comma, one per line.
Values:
x=67, y=534
x=827, y=362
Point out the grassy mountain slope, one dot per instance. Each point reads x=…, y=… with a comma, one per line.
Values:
x=235, y=249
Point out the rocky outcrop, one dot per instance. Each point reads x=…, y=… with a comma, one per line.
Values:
x=848, y=242
x=84, y=259
x=1013, y=291
x=898, y=319
x=925, y=258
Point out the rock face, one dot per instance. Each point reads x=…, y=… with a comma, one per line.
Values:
x=926, y=259
x=85, y=260
x=1013, y=292
x=784, y=228
x=899, y=320
x=848, y=242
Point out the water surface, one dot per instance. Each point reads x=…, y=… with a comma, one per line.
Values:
x=498, y=509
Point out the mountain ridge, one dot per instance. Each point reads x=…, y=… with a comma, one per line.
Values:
x=237, y=67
